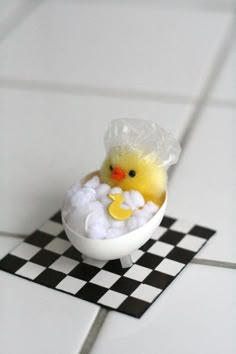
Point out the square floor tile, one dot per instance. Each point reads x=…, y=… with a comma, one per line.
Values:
x=192, y=243
x=64, y=264
x=30, y=270
x=50, y=278
x=52, y=228
x=44, y=258
x=158, y=279
x=91, y=292
x=149, y=260
x=136, y=255
x=161, y=249
x=137, y=272
x=181, y=255
x=134, y=307
x=11, y=263
x=112, y=299
x=58, y=245
x=146, y=292
x=201, y=231
x=170, y=267
x=84, y=271
x=70, y=284
x=159, y=232
x=172, y=237
x=105, y=278
x=182, y=226
x=73, y=253
x=147, y=245
x=25, y=251
x=125, y=285
x=39, y=239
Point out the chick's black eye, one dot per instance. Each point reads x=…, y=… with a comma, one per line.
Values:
x=132, y=173
x=111, y=168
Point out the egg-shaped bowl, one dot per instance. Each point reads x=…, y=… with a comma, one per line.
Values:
x=114, y=248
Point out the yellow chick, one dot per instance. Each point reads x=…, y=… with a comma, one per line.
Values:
x=130, y=169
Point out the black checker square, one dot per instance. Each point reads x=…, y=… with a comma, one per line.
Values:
x=45, y=258
x=125, y=285
x=63, y=235
x=11, y=263
x=172, y=237
x=158, y=279
x=84, y=271
x=149, y=260
x=121, y=286
x=39, y=239
x=91, y=292
x=147, y=245
x=114, y=267
x=57, y=217
x=133, y=307
x=181, y=255
x=73, y=253
x=50, y=278
x=201, y=231
x=167, y=221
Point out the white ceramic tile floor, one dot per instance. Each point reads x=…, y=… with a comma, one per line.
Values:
x=203, y=186
x=49, y=132
x=8, y=8
x=39, y=320
x=150, y=49
x=153, y=47
x=196, y=314
x=225, y=88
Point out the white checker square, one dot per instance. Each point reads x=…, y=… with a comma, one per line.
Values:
x=161, y=248
x=170, y=267
x=64, y=264
x=112, y=299
x=58, y=245
x=30, y=270
x=135, y=255
x=105, y=278
x=52, y=228
x=71, y=285
x=25, y=251
x=183, y=226
x=146, y=292
x=191, y=243
x=138, y=272
x=159, y=232
x=94, y=262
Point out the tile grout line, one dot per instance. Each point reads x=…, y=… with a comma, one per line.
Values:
x=77, y=89
x=213, y=263
x=18, y=16
x=94, y=331
x=200, y=105
x=80, y=90
x=221, y=57
x=12, y=234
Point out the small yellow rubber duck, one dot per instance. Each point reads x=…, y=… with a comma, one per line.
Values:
x=115, y=210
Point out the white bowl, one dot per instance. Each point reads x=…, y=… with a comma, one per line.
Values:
x=119, y=247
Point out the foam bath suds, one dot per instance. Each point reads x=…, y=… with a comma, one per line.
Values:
x=85, y=210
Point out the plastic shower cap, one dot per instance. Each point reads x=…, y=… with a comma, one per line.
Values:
x=143, y=135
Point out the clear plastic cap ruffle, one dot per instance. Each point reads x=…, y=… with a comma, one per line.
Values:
x=145, y=136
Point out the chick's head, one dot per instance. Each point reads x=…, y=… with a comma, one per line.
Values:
x=133, y=170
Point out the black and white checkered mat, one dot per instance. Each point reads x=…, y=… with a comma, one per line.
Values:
x=48, y=258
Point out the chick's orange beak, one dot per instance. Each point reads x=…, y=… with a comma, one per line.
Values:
x=117, y=174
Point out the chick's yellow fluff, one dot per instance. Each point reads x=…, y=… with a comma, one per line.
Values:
x=150, y=177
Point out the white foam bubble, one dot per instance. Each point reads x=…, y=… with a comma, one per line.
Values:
x=85, y=210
